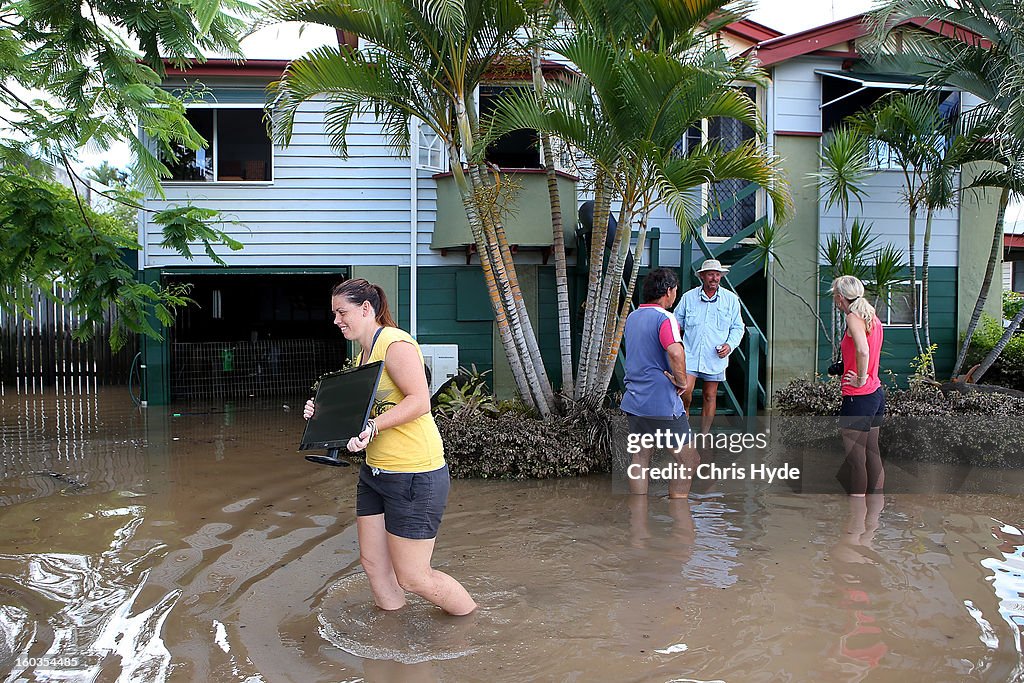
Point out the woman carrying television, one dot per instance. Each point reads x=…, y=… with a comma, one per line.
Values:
x=403, y=485
x=863, y=407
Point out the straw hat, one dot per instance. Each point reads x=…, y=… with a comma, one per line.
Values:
x=713, y=264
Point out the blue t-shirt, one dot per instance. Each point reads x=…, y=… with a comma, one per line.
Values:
x=649, y=331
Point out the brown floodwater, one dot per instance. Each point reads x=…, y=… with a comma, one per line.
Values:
x=195, y=544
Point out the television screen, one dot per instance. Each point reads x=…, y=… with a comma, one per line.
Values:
x=342, y=405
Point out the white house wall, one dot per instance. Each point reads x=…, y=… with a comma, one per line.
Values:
x=886, y=211
x=319, y=210
x=798, y=94
x=797, y=101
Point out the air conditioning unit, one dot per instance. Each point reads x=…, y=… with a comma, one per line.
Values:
x=443, y=361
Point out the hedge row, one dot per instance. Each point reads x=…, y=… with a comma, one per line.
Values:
x=515, y=446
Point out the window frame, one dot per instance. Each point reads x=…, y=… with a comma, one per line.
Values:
x=760, y=197
x=887, y=321
x=503, y=84
x=442, y=154
x=216, y=153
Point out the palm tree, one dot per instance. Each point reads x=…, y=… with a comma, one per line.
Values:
x=627, y=113
x=423, y=60
x=910, y=125
x=845, y=166
x=542, y=24
x=983, y=54
x=940, y=193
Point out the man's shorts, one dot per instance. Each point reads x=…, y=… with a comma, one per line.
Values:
x=863, y=412
x=720, y=377
x=679, y=426
x=412, y=502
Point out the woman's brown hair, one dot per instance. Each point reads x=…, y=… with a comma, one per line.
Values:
x=359, y=290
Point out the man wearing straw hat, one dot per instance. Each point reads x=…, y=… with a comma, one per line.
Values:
x=712, y=327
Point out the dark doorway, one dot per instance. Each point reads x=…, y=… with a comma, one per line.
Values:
x=253, y=335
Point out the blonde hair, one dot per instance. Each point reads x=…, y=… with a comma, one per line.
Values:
x=852, y=289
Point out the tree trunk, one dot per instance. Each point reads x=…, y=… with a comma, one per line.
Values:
x=503, y=295
x=613, y=288
x=627, y=304
x=490, y=280
x=557, y=238
x=504, y=272
x=526, y=335
x=1000, y=345
x=913, y=279
x=925, y=324
x=598, y=236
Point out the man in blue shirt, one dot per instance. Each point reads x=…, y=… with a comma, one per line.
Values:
x=712, y=327
x=655, y=380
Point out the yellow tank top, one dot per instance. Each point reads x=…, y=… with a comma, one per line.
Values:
x=411, y=447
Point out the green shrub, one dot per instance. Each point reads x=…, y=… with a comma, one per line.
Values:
x=1008, y=370
x=467, y=397
x=516, y=446
x=804, y=397
x=1012, y=303
x=921, y=423
x=807, y=397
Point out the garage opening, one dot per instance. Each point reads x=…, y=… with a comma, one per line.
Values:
x=253, y=335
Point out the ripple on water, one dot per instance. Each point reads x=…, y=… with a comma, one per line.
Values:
x=419, y=632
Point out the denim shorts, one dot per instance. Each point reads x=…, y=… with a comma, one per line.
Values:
x=863, y=412
x=412, y=502
x=720, y=377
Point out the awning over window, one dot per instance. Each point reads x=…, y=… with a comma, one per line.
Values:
x=872, y=80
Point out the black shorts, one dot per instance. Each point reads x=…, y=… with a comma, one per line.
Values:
x=863, y=412
x=412, y=502
x=639, y=424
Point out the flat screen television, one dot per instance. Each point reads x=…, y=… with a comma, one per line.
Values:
x=342, y=406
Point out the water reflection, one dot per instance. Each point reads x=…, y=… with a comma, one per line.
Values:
x=1008, y=584
x=859, y=583
x=196, y=544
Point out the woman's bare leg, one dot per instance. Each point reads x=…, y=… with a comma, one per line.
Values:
x=855, y=444
x=376, y=560
x=876, y=474
x=411, y=559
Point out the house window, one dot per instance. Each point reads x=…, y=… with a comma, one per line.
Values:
x=689, y=142
x=1018, y=276
x=882, y=157
x=238, y=147
x=518, y=149
x=727, y=220
x=893, y=304
x=846, y=94
x=431, y=150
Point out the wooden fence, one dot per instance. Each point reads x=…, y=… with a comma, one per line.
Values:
x=37, y=351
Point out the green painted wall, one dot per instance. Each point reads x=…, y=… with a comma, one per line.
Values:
x=530, y=223
x=156, y=387
x=402, y=312
x=978, y=210
x=547, y=322
x=792, y=348
x=439, y=311
x=454, y=309
x=899, y=348
x=504, y=384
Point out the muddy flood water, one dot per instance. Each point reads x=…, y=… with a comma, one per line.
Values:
x=196, y=544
